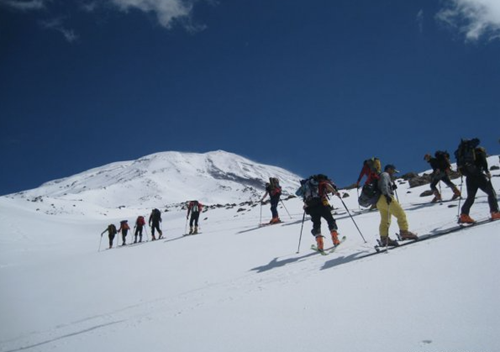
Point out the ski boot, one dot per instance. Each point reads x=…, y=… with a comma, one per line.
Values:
x=319, y=243
x=190, y=230
x=495, y=215
x=407, y=235
x=386, y=241
x=466, y=219
x=275, y=220
x=335, y=238
x=456, y=194
x=437, y=197
x=195, y=232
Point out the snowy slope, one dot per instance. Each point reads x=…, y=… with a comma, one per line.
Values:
x=238, y=287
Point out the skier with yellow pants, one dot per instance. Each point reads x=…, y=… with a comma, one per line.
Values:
x=388, y=206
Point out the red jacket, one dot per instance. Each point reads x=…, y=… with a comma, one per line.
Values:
x=370, y=175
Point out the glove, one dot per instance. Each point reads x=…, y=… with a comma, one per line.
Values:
x=394, y=186
x=389, y=199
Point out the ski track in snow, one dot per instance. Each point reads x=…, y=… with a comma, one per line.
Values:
x=276, y=273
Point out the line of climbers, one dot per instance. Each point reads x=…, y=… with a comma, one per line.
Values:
x=379, y=189
x=378, y=192
x=194, y=209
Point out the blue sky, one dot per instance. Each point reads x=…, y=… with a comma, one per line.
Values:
x=314, y=86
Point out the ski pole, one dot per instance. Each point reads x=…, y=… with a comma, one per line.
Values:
x=440, y=194
x=186, y=226
x=282, y=203
x=493, y=188
x=260, y=218
x=357, y=191
x=348, y=212
x=388, y=227
x=100, y=244
x=301, y=228
x=460, y=199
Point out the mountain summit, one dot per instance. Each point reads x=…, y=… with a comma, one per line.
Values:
x=166, y=178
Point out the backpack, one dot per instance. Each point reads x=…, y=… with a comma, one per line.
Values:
x=373, y=164
x=156, y=215
x=466, y=156
x=274, y=186
x=140, y=221
x=112, y=230
x=310, y=191
x=194, y=206
x=124, y=225
x=370, y=194
x=443, y=158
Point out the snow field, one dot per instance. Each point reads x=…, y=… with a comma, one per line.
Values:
x=240, y=287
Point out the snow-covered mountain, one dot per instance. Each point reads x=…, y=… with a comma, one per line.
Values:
x=164, y=178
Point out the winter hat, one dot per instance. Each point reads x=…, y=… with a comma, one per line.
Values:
x=390, y=166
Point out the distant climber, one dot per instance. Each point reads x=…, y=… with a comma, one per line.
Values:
x=194, y=208
x=154, y=223
x=440, y=169
x=139, y=225
x=111, y=230
x=124, y=230
x=273, y=189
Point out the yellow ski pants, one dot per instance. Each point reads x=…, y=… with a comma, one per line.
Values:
x=386, y=211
